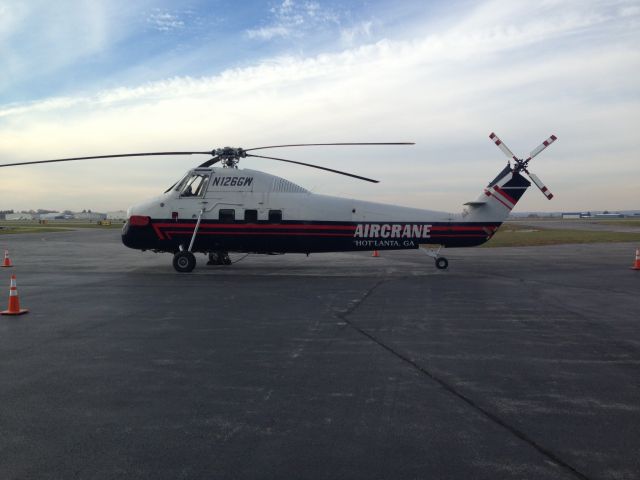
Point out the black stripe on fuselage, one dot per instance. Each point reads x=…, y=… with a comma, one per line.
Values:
x=304, y=237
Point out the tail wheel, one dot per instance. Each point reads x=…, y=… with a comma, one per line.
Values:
x=184, y=262
x=442, y=263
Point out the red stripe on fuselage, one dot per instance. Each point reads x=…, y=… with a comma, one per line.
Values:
x=170, y=234
x=491, y=194
x=505, y=194
x=267, y=226
x=440, y=235
x=460, y=228
x=165, y=230
x=156, y=228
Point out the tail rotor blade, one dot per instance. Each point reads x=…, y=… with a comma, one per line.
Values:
x=545, y=191
x=509, y=154
x=541, y=147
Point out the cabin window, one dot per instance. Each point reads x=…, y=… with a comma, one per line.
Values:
x=251, y=216
x=194, y=185
x=227, y=215
x=275, y=216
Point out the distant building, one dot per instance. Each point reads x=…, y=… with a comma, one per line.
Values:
x=117, y=215
x=90, y=216
x=51, y=216
x=576, y=215
x=609, y=215
x=19, y=216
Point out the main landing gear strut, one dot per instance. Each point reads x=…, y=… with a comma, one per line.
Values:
x=184, y=261
x=441, y=262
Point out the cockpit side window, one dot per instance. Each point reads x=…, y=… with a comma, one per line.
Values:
x=193, y=185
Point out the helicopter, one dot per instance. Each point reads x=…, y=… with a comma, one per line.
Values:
x=217, y=208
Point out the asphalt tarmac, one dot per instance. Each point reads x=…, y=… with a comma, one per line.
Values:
x=514, y=363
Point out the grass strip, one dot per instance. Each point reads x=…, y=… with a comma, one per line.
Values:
x=56, y=224
x=12, y=230
x=510, y=235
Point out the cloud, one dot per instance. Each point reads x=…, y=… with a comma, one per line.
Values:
x=165, y=21
x=295, y=19
x=361, y=30
x=267, y=33
x=573, y=75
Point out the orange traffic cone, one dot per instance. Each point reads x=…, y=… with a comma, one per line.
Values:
x=375, y=253
x=14, y=301
x=7, y=260
x=636, y=264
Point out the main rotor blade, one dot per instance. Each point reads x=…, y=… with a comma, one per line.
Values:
x=317, y=166
x=105, y=156
x=545, y=191
x=509, y=154
x=210, y=162
x=329, y=144
x=541, y=147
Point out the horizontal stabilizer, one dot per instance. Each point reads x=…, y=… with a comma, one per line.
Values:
x=475, y=204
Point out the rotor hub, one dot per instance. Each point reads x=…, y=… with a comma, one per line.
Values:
x=229, y=156
x=520, y=164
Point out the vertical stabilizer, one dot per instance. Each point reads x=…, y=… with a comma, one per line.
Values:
x=498, y=198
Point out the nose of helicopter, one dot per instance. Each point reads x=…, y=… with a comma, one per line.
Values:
x=138, y=233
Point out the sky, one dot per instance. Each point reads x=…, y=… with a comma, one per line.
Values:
x=98, y=77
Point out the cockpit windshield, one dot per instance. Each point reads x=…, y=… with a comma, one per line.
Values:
x=193, y=185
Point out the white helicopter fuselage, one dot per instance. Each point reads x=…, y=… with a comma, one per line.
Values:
x=241, y=210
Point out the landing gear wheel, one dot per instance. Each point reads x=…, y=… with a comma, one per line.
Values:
x=184, y=262
x=225, y=259
x=442, y=263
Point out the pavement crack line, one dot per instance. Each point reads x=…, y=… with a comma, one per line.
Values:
x=551, y=284
x=450, y=388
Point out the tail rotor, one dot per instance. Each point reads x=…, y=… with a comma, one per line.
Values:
x=521, y=165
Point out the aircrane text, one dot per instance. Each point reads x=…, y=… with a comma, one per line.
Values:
x=392, y=230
